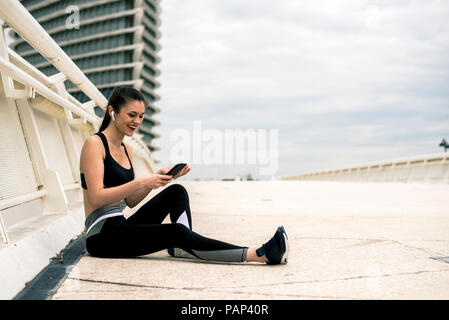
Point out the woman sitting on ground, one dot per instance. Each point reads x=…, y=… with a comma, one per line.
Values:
x=107, y=177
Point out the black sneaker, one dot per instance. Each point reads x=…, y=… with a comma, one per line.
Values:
x=276, y=249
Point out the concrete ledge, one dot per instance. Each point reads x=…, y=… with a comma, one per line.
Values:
x=44, y=285
x=41, y=239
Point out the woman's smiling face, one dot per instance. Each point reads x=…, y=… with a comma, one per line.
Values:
x=130, y=117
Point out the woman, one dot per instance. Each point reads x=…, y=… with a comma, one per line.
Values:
x=107, y=177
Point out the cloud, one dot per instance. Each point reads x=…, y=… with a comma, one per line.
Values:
x=329, y=75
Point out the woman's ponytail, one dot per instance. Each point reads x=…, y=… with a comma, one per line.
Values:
x=106, y=120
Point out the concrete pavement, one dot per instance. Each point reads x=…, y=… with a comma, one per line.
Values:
x=347, y=241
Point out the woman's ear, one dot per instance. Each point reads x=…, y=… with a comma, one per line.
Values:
x=111, y=109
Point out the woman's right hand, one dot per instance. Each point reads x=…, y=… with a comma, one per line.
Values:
x=156, y=180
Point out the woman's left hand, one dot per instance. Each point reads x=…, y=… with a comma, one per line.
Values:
x=181, y=173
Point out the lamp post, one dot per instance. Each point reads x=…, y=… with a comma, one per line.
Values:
x=444, y=144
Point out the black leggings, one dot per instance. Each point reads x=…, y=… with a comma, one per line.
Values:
x=143, y=232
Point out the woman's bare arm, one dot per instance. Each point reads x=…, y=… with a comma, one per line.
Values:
x=92, y=165
x=135, y=198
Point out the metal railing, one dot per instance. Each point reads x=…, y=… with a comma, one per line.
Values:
x=16, y=16
x=16, y=70
x=433, y=168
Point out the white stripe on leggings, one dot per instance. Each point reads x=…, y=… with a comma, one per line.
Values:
x=104, y=217
x=183, y=219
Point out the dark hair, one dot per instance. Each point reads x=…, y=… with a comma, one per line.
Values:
x=120, y=96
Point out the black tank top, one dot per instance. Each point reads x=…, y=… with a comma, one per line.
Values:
x=114, y=173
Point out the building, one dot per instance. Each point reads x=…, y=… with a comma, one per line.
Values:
x=114, y=42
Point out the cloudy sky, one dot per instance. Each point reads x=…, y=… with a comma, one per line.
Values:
x=340, y=82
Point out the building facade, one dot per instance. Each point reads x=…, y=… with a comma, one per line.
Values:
x=114, y=42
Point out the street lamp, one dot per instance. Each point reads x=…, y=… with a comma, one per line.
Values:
x=444, y=145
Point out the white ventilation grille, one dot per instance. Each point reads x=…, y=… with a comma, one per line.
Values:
x=16, y=172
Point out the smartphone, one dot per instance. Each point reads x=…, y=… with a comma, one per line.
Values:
x=174, y=171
